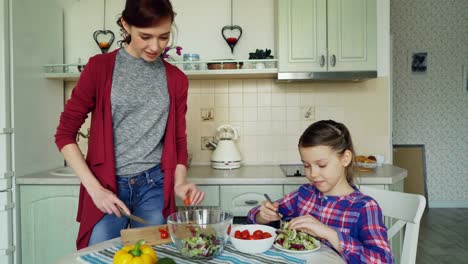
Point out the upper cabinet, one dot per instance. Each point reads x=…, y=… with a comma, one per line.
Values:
x=326, y=36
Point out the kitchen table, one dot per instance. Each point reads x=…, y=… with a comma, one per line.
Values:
x=324, y=255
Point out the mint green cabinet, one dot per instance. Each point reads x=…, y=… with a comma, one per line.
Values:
x=48, y=225
x=326, y=35
x=211, y=196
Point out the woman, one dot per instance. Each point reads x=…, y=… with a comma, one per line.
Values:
x=137, y=150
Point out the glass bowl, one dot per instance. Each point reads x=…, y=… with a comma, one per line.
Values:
x=200, y=234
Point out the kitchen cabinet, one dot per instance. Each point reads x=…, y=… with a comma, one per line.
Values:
x=326, y=35
x=240, y=199
x=211, y=196
x=48, y=225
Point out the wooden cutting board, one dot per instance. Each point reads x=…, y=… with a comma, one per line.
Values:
x=149, y=234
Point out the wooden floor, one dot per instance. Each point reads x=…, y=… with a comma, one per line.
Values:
x=443, y=236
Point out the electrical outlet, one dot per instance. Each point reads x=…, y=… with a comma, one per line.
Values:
x=205, y=143
x=308, y=113
x=207, y=114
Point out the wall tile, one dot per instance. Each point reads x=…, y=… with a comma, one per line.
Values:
x=249, y=86
x=221, y=86
x=235, y=86
x=278, y=99
x=264, y=113
x=293, y=113
x=250, y=100
x=236, y=114
x=292, y=99
x=264, y=86
x=194, y=87
x=264, y=99
x=278, y=113
x=250, y=114
x=269, y=116
x=221, y=100
x=235, y=100
x=207, y=86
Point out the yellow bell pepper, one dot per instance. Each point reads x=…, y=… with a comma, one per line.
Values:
x=136, y=254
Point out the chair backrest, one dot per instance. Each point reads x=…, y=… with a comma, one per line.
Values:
x=408, y=209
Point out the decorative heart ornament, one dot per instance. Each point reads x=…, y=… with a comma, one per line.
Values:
x=104, y=39
x=231, y=35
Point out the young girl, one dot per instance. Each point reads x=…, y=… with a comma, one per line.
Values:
x=137, y=150
x=331, y=208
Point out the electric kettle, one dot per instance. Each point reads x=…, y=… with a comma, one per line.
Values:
x=226, y=155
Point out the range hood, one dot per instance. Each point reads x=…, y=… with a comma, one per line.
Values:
x=326, y=76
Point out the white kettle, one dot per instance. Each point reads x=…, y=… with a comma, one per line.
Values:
x=226, y=155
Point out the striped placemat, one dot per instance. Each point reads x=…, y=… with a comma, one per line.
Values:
x=229, y=256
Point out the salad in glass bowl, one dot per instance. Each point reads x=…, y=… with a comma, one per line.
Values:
x=200, y=234
x=295, y=241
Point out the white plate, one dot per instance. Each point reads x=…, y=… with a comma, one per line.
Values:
x=317, y=243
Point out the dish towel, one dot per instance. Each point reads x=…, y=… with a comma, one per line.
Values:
x=229, y=256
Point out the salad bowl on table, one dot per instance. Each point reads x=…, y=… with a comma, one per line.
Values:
x=252, y=239
x=200, y=234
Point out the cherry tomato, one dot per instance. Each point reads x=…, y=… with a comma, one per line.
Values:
x=257, y=236
x=237, y=234
x=164, y=235
x=245, y=234
x=258, y=232
x=266, y=235
x=187, y=201
x=164, y=232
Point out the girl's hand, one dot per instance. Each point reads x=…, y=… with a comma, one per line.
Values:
x=267, y=213
x=108, y=202
x=189, y=193
x=312, y=226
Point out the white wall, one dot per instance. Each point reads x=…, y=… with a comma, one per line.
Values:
x=432, y=108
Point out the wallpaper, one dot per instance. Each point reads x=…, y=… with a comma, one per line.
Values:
x=430, y=102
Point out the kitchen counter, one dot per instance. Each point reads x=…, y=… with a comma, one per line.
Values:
x=245, y=175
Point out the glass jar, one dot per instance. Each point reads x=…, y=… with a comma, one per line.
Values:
x=192, y=59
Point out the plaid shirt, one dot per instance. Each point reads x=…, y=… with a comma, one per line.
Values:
x=356, y=217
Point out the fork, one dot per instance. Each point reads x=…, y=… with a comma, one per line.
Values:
x=270, y=201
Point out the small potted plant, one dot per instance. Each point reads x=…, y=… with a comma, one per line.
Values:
x=260, y=54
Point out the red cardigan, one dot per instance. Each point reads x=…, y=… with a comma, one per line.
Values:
x=92, y=94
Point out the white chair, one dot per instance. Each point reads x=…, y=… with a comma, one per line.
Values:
x=407, y=209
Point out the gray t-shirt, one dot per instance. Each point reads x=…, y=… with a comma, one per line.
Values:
x=140, y=106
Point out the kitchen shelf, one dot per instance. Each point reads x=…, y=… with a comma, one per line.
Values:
x=244, y=69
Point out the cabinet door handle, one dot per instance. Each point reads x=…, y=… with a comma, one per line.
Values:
x=251, y=202
x=322, y=60
x=333, y=60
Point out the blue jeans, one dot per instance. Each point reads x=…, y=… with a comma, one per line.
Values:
x=144, y=196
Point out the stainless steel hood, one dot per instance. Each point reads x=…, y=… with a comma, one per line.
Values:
x=326, y=76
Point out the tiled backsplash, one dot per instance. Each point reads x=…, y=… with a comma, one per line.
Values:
x=271, y=116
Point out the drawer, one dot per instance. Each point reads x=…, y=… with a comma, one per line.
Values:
x=240, y=199
x=211, y=196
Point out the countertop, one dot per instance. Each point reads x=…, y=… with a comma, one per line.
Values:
x=245, y=175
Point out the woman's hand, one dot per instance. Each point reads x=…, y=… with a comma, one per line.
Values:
x=108, y=202
x=189, y=193
x=267, y=213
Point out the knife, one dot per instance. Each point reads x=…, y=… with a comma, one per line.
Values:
x=133, y=217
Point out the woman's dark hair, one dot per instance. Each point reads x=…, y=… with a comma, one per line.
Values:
x=143, y=13
x=332, y=134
